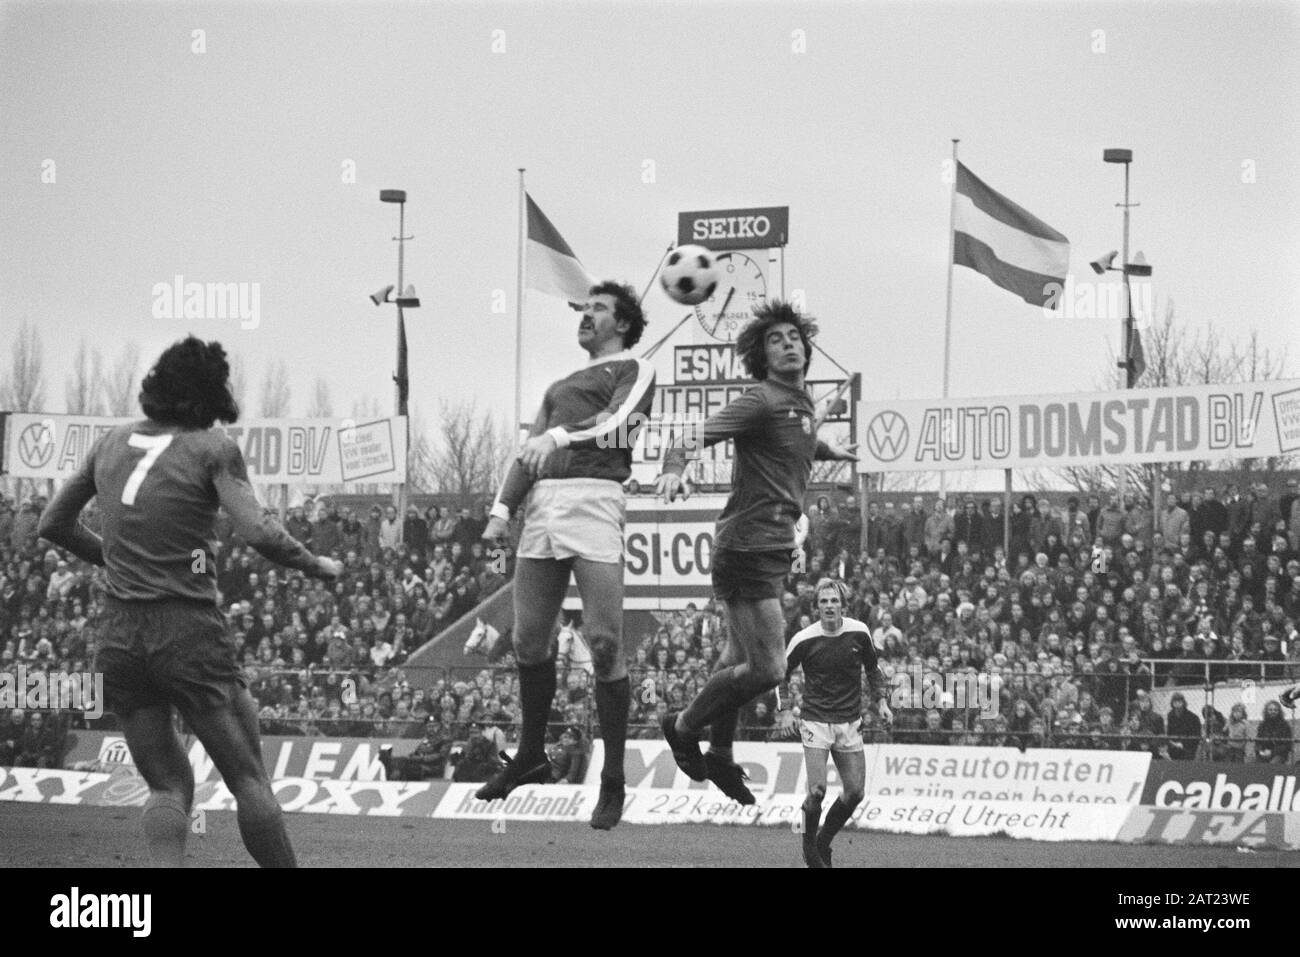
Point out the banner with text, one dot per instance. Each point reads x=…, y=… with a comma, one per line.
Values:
x=667, y=553
x=276, y=451
x=705, y=379
x=1186, y=423
x=1049, y=775
x=341, y=759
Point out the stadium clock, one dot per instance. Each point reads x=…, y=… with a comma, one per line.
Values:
x=741, y=287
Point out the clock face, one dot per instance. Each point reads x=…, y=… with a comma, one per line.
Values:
x=741, y=287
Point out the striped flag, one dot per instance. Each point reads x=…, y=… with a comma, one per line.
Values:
x=552, y=266
x=1006, y=242
x=1137, y=359
x=403, y=378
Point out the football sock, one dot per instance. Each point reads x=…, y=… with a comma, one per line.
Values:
x=613, y=700
x=812, y=809
x=722, y=732
x=261, y=825
x=718, y=696
x=836, y=818
x=166, y=821
x=536, y=692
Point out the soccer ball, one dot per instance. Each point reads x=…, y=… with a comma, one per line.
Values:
x=689, y=276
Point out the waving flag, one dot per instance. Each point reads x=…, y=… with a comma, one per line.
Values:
x=1006, y=242
x=552, y=266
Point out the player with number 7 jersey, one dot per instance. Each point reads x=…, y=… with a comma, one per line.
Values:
x=159, y=483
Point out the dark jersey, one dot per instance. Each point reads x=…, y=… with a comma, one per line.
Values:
x=158, y=490
x=832, y=670
x=594, y=415
x=776, y=443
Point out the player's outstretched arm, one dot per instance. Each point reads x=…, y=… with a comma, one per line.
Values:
x=59, y=524
x=263, y=532
x=747, y=412
x=835, y=453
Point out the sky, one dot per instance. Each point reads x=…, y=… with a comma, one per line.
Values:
x=253, y=152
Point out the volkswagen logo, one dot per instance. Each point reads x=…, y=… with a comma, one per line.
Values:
x=887, y=436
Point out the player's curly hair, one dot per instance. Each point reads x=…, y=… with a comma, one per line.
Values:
x=189, y=386
x=627, y=308
x=750, y=345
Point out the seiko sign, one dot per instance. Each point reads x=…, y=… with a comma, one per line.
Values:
x=720, y=229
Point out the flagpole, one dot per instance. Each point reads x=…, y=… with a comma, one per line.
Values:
x=519, y=311
x=947, y=318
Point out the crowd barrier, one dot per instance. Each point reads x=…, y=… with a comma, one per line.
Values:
x=1042, y=794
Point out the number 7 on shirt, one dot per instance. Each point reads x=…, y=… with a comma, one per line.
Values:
x=153, y=446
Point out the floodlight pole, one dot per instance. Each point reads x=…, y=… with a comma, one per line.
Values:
x=1125, y=157
x=401, y=381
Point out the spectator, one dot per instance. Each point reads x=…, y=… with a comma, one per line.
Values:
x=938, y=526
x=1273, y=737
x=415, y=532
x=1111, y=522
x=12, y=724
x=390, y=531
x=1174, y=521
x=1238, y=734
x=570, y=757
x=298, y=526
x=41, y=743
x=1215, y=727
x=479, y=762
x=1184, y=729
x=326, y=536
x=1106, y=734
x=1150, y=726
x=1075, y=521
x=913, y=525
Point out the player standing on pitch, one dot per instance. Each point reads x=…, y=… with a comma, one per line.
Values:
x=833, y=652
x=159, y=482
x=774, y=430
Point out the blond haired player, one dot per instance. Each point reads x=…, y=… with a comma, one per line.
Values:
x=833, y=652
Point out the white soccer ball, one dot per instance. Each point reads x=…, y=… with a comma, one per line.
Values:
x=689, y=275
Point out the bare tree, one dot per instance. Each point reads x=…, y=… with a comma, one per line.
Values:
x=422, y=476
x=238, y=379
x=81, y=389
x=274, y=396
x=470, y=454
x=120, y=387
x=321, y=406
x=24, y=387
x=1176, y=356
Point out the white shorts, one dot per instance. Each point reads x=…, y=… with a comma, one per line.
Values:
x=831, y=737
x=574, y=518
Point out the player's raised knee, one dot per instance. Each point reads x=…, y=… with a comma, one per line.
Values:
x=767, y=673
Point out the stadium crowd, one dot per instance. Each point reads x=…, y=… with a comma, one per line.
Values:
x=1101, y=604
x=320, y=659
